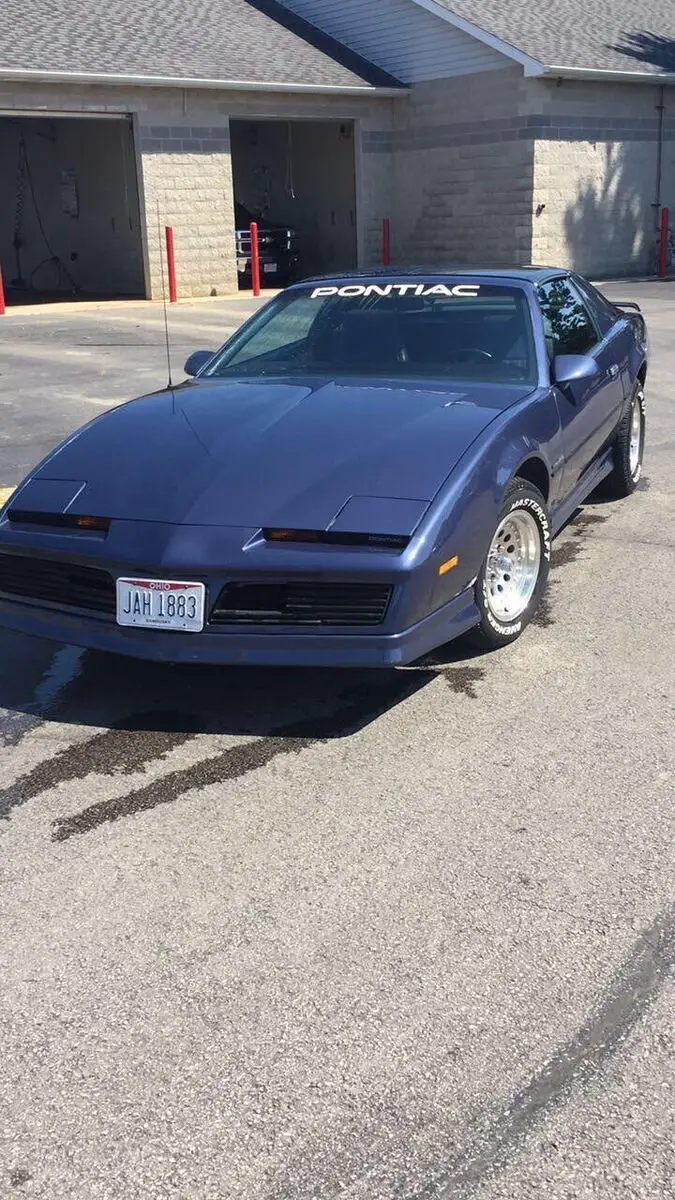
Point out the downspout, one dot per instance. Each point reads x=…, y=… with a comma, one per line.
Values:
x=660, y=107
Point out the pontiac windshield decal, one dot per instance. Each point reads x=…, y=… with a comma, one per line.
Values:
x=401, y=289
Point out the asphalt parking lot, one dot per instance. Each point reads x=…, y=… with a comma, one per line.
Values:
x=305, y=936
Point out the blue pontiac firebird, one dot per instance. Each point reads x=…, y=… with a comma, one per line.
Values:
x=370, y=467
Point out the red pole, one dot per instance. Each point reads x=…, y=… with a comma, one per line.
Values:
x=386, y=242
x=663, y=242
x=171, y=263
x=255, y=259
x=2, y=294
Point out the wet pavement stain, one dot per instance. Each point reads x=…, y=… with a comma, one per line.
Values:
x=544, y=615
x=57, y=677
x=15, y=726
x=366, y=703
x=463, y=680
x=145, y=737
x=569, y=550
x=587, y=519
x=562, y=554
x=566, y=552
x=220, y=768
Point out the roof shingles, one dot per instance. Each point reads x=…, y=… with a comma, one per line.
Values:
x=261, y=41
x=605, y=35
x=255, y=41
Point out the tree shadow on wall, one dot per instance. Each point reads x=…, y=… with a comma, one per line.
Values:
x=649, y=48
x=610, y=225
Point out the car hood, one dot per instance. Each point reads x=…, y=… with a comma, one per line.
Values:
x=269, y=453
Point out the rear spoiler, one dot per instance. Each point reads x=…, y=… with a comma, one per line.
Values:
x=627, y=304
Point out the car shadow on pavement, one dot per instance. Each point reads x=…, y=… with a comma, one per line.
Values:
x=140, y=713
x=88, y=688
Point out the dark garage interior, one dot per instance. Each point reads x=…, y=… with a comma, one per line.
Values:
x=69, y=210
x=296, y=178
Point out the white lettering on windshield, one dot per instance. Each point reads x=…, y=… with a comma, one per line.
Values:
x=467, y=290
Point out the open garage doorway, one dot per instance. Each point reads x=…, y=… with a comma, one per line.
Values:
x=69, y=213
x=296, y=178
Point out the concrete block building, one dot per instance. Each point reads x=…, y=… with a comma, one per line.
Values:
x=487, y=132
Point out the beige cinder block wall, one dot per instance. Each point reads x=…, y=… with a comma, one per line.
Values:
x=595, y=174
x=464, y=157
x=495, y=168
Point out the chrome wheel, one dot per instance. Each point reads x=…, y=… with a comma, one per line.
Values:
x=635, y=445
x=513, y=565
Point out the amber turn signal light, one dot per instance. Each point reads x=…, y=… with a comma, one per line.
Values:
x=59, y=520
x=332, y=537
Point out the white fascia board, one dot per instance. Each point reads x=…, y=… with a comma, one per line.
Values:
x=609, y=76
x=531, y=66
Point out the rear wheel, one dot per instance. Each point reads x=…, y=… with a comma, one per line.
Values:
x=628, y=449
x=514, y=573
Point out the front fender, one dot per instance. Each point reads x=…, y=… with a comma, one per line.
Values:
x=464, y=515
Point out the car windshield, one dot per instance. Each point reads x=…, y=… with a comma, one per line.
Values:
x=451, y=330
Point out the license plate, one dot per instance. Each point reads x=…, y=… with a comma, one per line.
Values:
x=270, y=268
x=161, y=604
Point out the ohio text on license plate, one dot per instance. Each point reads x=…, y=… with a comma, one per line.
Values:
x=161, y=604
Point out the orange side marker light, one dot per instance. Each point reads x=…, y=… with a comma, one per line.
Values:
x=447, y=566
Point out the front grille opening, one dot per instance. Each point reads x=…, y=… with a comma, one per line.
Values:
x=66, y=584
x=301, y=603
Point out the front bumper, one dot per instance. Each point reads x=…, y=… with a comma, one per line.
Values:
x=275, y=268
x=280, y=647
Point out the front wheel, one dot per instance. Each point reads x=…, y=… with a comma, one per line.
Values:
x=628, y=449
x=514, y=573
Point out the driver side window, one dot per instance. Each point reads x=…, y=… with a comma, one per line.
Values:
x=568, y=328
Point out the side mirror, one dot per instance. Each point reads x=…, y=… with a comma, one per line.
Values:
x=197, y=360
x=571, y=368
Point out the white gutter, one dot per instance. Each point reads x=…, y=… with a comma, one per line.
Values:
x=608, y=75
x=19, y=75
x=54, y=114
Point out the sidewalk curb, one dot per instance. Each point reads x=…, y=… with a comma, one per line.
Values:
x=82, y=307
